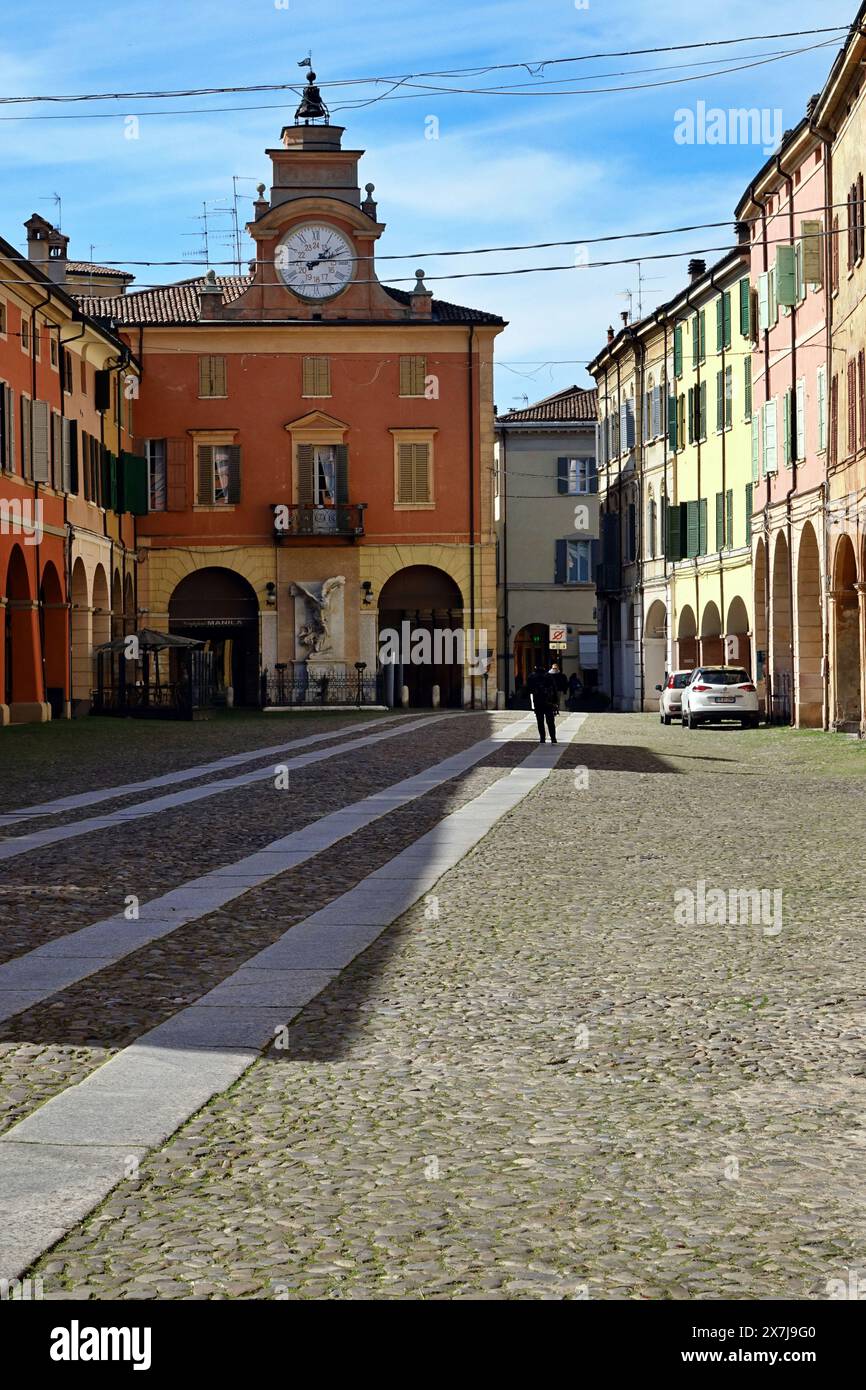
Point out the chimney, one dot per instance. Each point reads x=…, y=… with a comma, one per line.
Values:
x=624, y=317
x=610, y=333
x=421, y=299
x=46, y=248
x=697, y=269
x=210, y=298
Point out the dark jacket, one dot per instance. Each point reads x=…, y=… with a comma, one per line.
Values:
x=542, y=689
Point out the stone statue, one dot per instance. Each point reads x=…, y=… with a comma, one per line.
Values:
x=316, y=635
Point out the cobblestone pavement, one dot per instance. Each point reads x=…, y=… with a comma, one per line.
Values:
x=555, y=1081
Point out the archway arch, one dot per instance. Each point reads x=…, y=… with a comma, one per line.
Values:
x=129, y=615
x=54, y=641
x=712, y=644
x=116, y=605
x=846, y=628
x=23, y=678
x=82, y=634
x=782, y=637
x=219, y=607
x=687, y=639
x=655, y=649
x=760, y=584
x=426, y=599
x=810, y=632
x=738, y=650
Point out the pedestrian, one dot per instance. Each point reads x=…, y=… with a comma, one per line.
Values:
x=545, y=701
x=575, y=690
x=560, y=684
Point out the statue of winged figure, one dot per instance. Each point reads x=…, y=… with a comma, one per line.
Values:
x=315, y=635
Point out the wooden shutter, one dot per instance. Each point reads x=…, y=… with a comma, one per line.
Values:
x=560, y=562
x=306, y=474
x=702, y=526
x=749, y=504
x=756, y=446
x=672, y=423
x=702, y=411
x=592, y=474
x=211, y=376
x=316, y=376
x=175, y=475
x=678, y=350
x=7, y=405
x=720, y=323
x=729, y=397
x=233, y=453
x=861, y=377
x=786, y=276
x=562, y=475
x=204, y=491
x=691, y=414
x=720, y=400
x=41, y=442
x=692, y=530
x=413, y=373
x=771, y=463
x=720, y=521
x=405, y=473
x=745, y=309
x=66, y=455
x=726, y=310
x=729, y=519
x=747, y=386
x=764, y=302
x=423, y=489
x=342, y=456
x=56, y=450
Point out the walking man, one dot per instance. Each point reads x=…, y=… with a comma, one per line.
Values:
x=545, y=701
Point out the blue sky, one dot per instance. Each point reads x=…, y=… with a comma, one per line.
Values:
x=503, y=170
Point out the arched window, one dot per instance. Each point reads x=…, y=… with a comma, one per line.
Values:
x=651, y=528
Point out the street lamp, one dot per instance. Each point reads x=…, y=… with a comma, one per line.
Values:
x=360, y=667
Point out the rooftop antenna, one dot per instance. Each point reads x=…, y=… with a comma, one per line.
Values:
x=202, y=251
x=236, y=179
x=56, y=199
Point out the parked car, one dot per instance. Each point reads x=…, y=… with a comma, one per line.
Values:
x=671, y=695
x=717, y=693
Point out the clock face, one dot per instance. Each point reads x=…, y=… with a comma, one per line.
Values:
x=315, y=261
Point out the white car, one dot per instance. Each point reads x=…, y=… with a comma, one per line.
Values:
x=671, y=695
x=716, y=693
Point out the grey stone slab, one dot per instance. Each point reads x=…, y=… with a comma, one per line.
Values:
x=145, y=1066
x=252, y=974
x=226, y=1026
x=317, y=949
x=42, y=972
x=104, y=941
x=45, y=1190
x=266, y=993
x=15, y=1001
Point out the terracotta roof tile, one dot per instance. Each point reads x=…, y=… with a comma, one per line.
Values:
x=179, y=303
x=88, y=268
x=573, y=405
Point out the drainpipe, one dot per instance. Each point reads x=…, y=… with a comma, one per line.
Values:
x=471, y=369
x=723, y=359
x=669, y=656
x=38, y=547
x=768, y=674
x=640, y=379
x=506, y=636
x=792, y=434
x=826, y=138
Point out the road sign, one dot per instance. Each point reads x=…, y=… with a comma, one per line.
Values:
x=558, y=637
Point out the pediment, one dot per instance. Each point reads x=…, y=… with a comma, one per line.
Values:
x=316, y=420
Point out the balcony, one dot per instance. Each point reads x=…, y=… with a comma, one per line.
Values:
x=303, y=521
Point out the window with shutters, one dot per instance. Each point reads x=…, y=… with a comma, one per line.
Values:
x=729, y=397
x=576, y=476
x=821, y=403
x=40, y=426
x=413, y=376
x=7, y=428
x=67, y=371
x=25, y=333
x=651, y=529
x=316, y=376
x=861, y=393
x=747, y=388
x=852, y=407
x=577, y=567
x=678, y=350
x=834, y=419
x=414, y=487
x=56, y=449
x=52, y=350
x=157, y=483
x=218, y=475
x=834, y=256
x=729, y=519
x=800, y=423
x=211, y=376
x=720, y=521
x=770, y=449
x=3, y=319
x=749, y=504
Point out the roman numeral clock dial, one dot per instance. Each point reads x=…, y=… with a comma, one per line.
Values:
x=315, y=261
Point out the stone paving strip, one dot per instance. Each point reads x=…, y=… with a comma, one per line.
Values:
x=23, y=844
x=78, y=800
x=28, y=979
x=62, y=1160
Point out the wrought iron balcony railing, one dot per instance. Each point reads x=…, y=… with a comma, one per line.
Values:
x=344, y=521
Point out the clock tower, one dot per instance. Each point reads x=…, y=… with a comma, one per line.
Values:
x=315, y=236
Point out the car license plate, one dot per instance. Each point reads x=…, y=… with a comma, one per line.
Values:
x=725, y=699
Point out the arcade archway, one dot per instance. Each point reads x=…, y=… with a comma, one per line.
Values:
x=426, y=600
x=219, y=607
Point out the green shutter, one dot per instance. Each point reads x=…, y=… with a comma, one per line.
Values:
x=786, y=275
x=702, y=411
x=720, y=323
x=720, y=400
x=702, y=526
x=786, y=420
x=693, y=535
x=673, y=534
x=678, y=350
x=726, y=310
x=696, y=340
x=747, y=386
x=133, y=473
x=729, y=397
x=672, y=423
x=729, y=519
x=745, y=309
x=720, y=521
x=749, y=493
x=756, y=446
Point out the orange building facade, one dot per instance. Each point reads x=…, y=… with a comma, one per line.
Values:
x=320, y=451
x=67, y=552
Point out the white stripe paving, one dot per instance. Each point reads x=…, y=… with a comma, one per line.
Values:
x=78, y=800
x=62, y=1160
x=38, y=839
x=58, y=964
